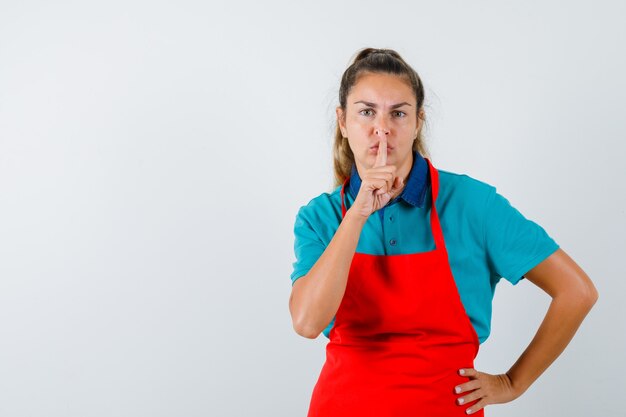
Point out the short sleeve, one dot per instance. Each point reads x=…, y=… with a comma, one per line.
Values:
x=308, y=246
x=513, y=243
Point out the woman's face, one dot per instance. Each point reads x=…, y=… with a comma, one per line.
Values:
x=380, y=103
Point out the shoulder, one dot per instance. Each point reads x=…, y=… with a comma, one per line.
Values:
x=464, y=189
x=322, y=205
x=321, y=213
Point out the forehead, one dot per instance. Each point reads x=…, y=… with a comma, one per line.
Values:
x=381, y=87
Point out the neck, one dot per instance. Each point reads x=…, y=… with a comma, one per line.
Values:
x=405, y=167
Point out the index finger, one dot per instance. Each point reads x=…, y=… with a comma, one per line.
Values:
x=381, y=156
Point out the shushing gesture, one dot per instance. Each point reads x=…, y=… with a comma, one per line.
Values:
x=379, y=184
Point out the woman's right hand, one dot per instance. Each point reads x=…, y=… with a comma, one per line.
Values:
x=379, y=184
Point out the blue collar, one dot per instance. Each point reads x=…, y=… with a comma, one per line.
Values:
x=415, y=190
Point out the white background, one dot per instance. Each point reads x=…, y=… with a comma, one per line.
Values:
x=153, y=156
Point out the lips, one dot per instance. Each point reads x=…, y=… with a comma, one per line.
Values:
x=376, y=147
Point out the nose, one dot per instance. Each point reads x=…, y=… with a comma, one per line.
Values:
x=381, y=126
x=381, y=130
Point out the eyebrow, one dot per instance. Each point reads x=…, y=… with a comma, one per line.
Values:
x=395, y=106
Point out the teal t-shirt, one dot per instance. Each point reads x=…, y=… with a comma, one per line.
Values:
x=487, y=239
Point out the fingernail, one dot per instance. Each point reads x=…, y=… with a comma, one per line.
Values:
x=462, y=371
x=461, y=400
x=457, y=389
x=468, y=411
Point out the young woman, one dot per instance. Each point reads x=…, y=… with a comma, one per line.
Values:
x=398, y=265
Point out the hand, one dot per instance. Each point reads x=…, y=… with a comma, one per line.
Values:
x=489, y=389
x=379, y=184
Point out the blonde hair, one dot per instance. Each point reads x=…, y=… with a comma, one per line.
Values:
x=373, y=60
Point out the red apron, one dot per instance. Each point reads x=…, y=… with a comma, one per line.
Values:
x=399, y=338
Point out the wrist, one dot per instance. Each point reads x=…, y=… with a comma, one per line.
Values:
x=517, y=386
x=355, y=217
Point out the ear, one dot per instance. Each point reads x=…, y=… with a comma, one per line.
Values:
x=341, y=120
x=420, y=121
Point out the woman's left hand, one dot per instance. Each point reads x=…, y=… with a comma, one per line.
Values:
x=489, y=389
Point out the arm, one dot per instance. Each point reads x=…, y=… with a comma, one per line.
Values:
x=315, y=297
x=573, y=295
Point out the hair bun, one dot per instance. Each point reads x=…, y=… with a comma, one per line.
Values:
x=367, y=52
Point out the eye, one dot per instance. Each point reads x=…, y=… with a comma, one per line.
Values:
x=399, y=113
x=365, y=111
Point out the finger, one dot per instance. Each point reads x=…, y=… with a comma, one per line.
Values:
x=398, y=182
x=397, y=185
x=477, y=407
x=381, y=156
x=468, y=386
x=471, y=397
x=388, y=172
x=380, y=175
x=375, y=185
x=380, y=182
x=470, y=372
x=384, y=175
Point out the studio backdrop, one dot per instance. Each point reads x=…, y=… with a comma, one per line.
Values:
x=153, y=157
